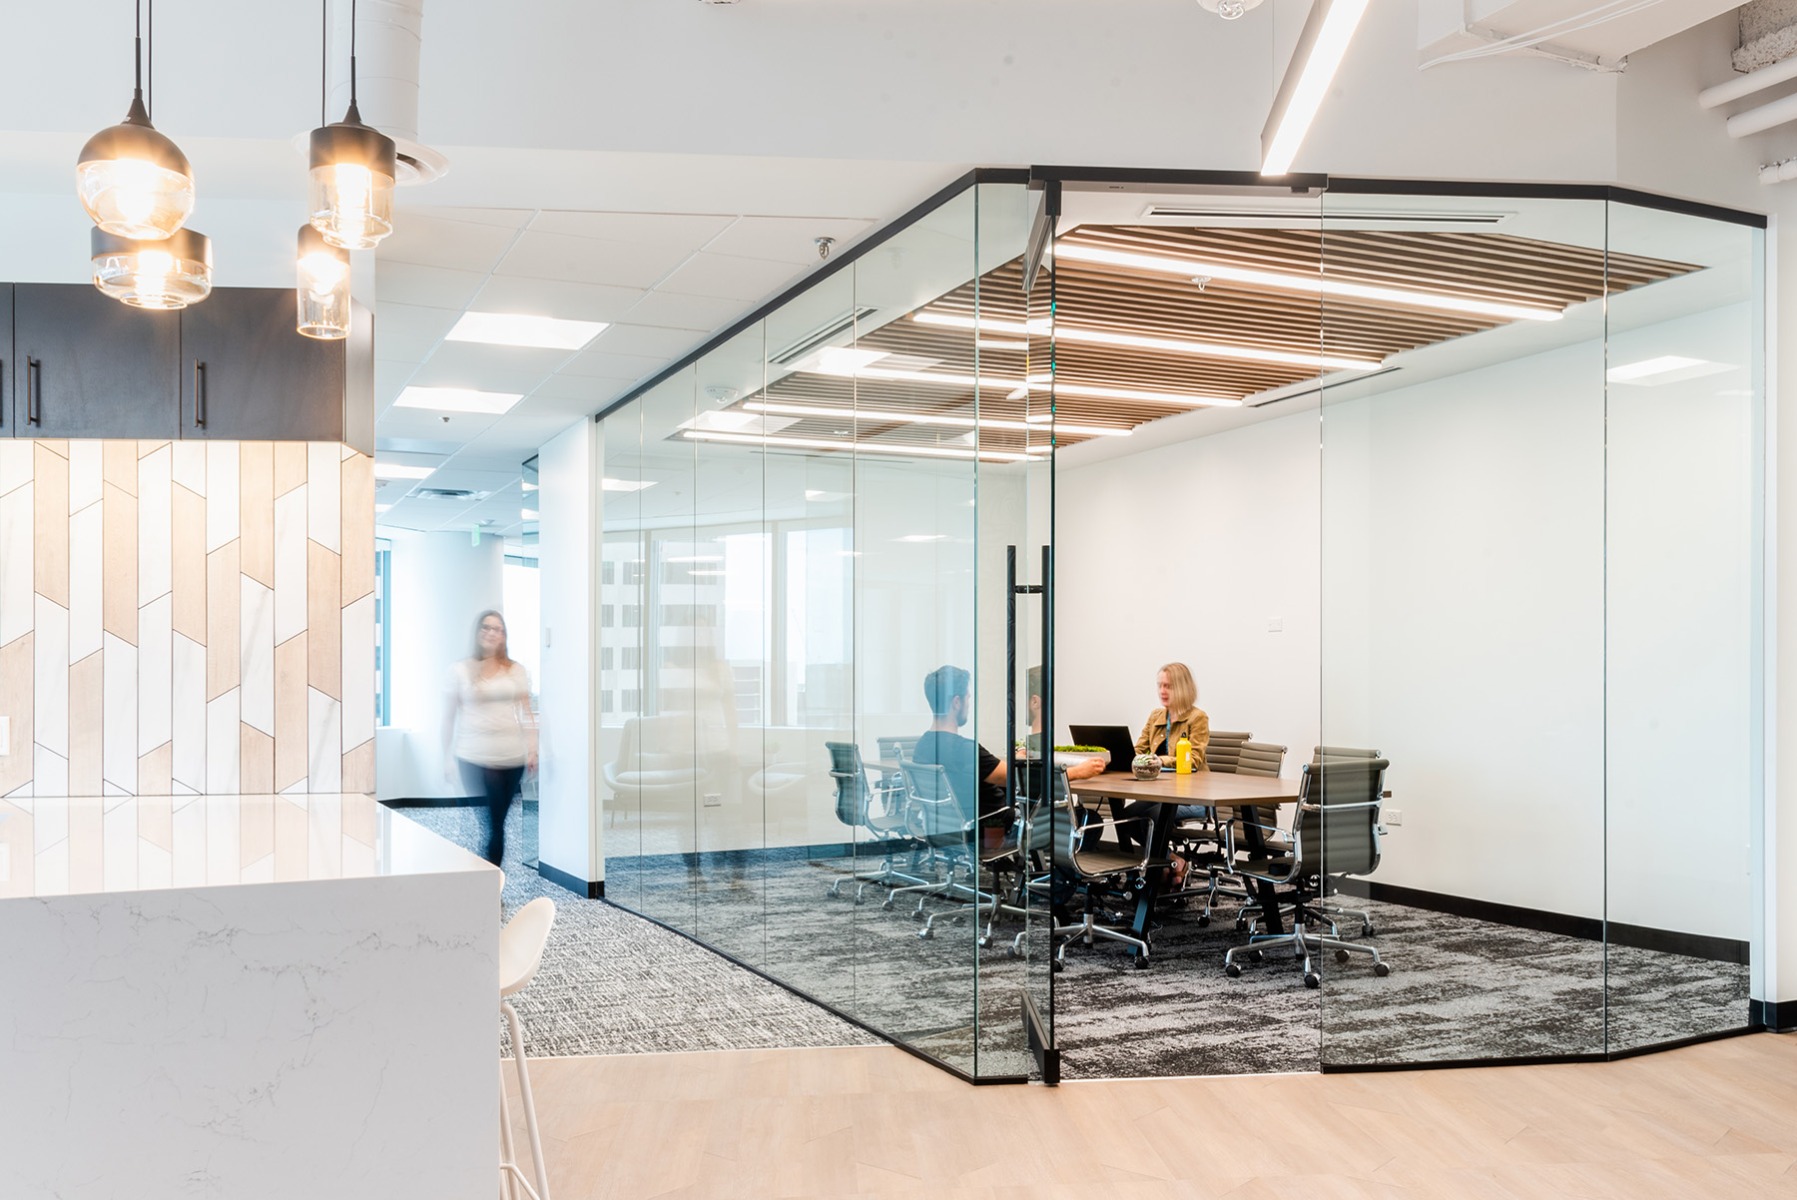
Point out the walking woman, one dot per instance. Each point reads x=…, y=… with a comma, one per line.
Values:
x=488, y=725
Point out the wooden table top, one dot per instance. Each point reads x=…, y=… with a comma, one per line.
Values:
x=1200, y=787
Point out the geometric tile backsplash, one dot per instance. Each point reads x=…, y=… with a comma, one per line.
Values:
x=186, y=617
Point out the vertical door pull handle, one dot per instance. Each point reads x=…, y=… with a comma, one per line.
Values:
x=199, y=394
x=34, y=391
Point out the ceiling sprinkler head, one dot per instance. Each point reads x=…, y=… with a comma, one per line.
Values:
x=824, y=245
x=1201, y=281
x=1229, y=10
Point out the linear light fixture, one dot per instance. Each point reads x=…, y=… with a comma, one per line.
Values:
x=952, y=422
x=1666, y=368
x=1104, y=337
x=523, y=329
x=1099, y=392
x=934, y=378
x=527, y=514
x=799, y=443
x=922, y=537
x=1314, y=285
x=625, y=485
x=1321, y=47
x=393, y=470
x=462, y=400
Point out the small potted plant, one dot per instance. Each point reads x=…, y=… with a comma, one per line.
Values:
x=1146, y=766
x=1084, y=752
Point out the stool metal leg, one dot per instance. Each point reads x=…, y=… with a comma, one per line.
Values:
x=508, y=1182
x=530, y=1107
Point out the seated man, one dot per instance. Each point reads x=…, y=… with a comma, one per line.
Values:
x=975, y=774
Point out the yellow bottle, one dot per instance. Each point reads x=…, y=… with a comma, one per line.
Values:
x=1182, y=756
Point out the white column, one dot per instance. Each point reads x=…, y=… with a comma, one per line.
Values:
x=570, y=498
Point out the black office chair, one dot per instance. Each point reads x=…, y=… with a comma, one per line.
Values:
x=880, y=811
x=936, y=817
x=1089, y=872
x=1335, y=831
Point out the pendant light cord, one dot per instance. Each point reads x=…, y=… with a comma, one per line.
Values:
x=352, y=52
x=324, y=61
x=150, y=103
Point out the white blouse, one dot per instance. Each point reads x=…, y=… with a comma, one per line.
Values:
x=489, y=731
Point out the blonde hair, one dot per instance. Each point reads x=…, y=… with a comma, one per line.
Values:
x=1182, y=689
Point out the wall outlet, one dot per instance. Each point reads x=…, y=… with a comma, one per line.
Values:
x=1275, y=624
x=714, y=799
x=1392, y=816
x=5, y=735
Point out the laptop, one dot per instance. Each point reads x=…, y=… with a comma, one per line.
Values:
x=1115, y=738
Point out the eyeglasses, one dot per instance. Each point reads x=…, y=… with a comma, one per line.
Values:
x=492, y=629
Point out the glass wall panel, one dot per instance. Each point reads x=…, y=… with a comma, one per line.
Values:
x=724, y=574
x=1462, y=534
x=815, y=821
x=673, y=780
x=1684, y=425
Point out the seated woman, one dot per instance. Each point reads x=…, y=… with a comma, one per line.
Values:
x=1177, y=717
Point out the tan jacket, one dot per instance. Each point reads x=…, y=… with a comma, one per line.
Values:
x=1154, y=739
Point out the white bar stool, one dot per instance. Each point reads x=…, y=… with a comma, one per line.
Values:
x=520, y=954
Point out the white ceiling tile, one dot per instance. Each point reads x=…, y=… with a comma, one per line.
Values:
x=637, y=264
x=409, y=332
x=398, y=449
x=646, y=340
x=389, y=378
x=488, y=368
x=596, y=363
x=730, y=278
x=786, y=239
x=556, y=298
x=435, y=242
x=704, y=313
x=422, y=424
x=432, y=287
x=566, y=390
x=507, y=218
x=693, y=230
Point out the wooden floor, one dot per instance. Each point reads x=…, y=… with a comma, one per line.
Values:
x=1713, y=1120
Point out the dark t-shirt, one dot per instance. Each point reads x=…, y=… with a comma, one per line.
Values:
x=967, y=764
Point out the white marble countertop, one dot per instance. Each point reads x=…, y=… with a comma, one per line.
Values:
x=60, y=845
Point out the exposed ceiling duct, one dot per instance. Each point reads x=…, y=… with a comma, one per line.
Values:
x=389, y=40
x=1597, y=35
x=1767, y=27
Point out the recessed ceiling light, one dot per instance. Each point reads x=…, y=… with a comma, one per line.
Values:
x=625, y=485
x=522, y=329
x=881, y=416
x=528, y=514
x=450, y=399
x=800, y=443
x=1314, y=285
x=1666, y=368
x=393, y=470
x=1104, y=337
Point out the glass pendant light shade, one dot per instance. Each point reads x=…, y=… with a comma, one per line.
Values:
x=353, y=168
x=133, y=181
x=170, y=272
x=323, y=292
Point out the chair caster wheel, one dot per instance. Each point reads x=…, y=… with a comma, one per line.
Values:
x=886, y=906
x=985, y=943
x=1013, y=952
x=917, y=916
x=1203, y=920
x=925, y=933
x=1233, y=970
x=1312, y=979
x=1140, y=962
x=1367, y=931
x=1381, y=970
x=1060, y=966
x=1241, y=923
x=1341, y=956
x=1256, y=956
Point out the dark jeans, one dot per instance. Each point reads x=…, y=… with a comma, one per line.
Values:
x=498, y=785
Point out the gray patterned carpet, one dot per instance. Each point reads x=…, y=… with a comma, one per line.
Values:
x=1459, y=989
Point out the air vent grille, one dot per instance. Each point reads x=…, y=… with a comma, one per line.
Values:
x=1407, y=216
x=822, y=335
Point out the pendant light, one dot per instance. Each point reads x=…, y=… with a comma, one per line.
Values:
x=353, y=169
x=164, y=273
x=133, y=181
x=323, y=292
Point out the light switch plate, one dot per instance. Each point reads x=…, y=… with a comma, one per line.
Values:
x=1275, y=624
x=1392, y=816
x=714, y=799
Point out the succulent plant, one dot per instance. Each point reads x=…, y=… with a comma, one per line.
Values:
x=1146, y=766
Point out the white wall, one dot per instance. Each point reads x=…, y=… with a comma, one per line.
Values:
x=1461, y=530
x=568, y=828
x=441, y=582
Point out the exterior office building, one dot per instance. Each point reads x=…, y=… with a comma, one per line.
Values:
x=1530, y=552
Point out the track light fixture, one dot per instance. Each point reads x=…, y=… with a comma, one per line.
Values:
x=353, y=168
x=162, y=273
x=323, y=293
x=133, y=181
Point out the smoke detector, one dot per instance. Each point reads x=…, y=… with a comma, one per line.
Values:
x=1229, y=10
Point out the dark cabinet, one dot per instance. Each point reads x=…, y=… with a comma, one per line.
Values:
x=6, y=429
x=246, y=375
x=84, y=365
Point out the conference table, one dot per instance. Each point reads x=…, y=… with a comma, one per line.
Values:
x=1215, y=789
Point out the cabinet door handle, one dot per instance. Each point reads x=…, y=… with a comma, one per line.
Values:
x=34, y=391
x=199, y=394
